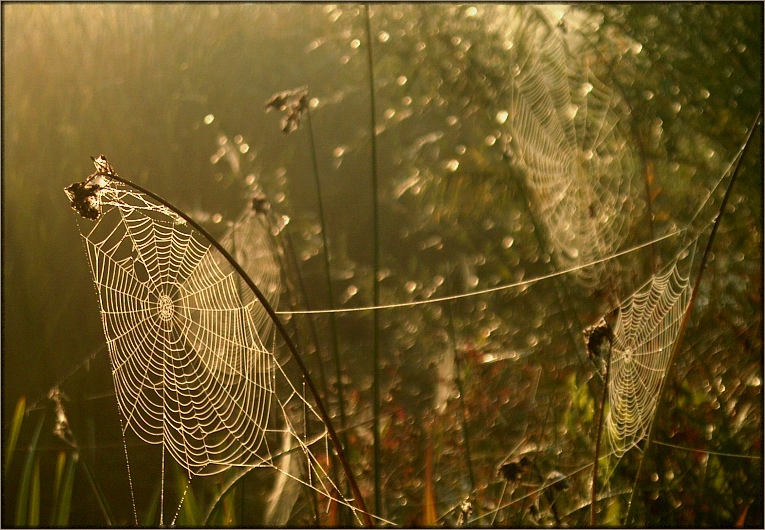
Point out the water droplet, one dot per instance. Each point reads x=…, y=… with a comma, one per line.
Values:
x=217, y=218
x=508, y=241
x=452, y=165
x=209, y=119
x=452, y=120
x=244, y=148
x=389, y=114
x=586, y=88
x=410, y=286
x=349, y=293
x=339, y=151
x=704, y=93
x=471, y=11
x=460, y=149
x=676, y=107
x=406, y=100
x=502, y=116
x=383, y=36
x=648, y=95
x=222, y=140
x=490, y=140
x=249, y=179
x=355, y=43
x=401, y=81
x=238, y=139
x=637, y=48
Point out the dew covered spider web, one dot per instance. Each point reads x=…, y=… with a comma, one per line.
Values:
x=565, y=136
x=193, y=359
x=644, y=337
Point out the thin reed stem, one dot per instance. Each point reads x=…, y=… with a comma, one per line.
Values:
x=376, y=267
x=603, y=395
x=330, y=291
x=463, y=405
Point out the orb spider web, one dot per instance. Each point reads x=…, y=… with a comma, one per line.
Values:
x=565, y=137
x=188, y=344
x=645, y=332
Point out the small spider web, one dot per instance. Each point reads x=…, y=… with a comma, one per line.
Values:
x=251, y=242
x=188, y=343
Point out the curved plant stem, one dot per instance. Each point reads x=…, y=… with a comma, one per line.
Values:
x=686, y=316
x=603, y=396
x=285, y=335
x=376, y=266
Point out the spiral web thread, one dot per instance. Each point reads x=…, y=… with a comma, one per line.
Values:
x=191, y=368
x=644, y=337
x=565, y=139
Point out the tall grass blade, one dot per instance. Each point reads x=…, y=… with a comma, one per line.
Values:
x=60, y=463
x=33, y=519
x=22, y=500
x=64, y=506
x=13, y=437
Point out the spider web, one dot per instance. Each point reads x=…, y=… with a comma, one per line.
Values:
x=644, y=336
x=565, y=139
x=251, y=243
x=187, y=340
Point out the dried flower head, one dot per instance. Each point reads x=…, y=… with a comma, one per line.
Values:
x=85, y=196
x=466, y=509
x=295, y=102
x=513, y=471
x=84, y=199
x=260, y=203
x=598, y=337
